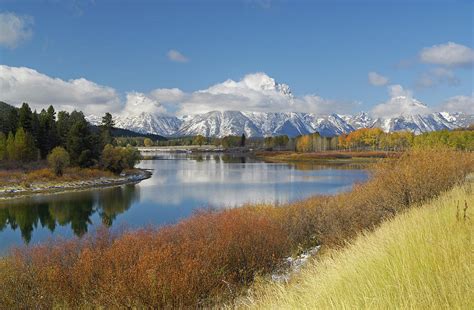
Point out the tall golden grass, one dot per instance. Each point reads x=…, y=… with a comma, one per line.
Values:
x=213, y=255
x=421, y=259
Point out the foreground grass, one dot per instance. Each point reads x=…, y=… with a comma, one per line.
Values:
x=420, y=259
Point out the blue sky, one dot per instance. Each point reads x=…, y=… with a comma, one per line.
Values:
x=325, y=48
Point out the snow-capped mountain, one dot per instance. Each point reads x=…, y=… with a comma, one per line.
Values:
x=144, y=123
x=261, y=124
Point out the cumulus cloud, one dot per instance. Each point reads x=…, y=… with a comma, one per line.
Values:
x=401, y=102
x=176, y=56
x=449, y=54
x=20, y=84
x=437, y=76
x=459, y=104
x=377, y=79
x=14, y=29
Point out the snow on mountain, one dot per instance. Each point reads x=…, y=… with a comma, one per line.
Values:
x=261, y=124
x=144, y=123
x=218, y=124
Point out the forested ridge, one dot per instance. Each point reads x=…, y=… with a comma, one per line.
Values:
x=65, y=139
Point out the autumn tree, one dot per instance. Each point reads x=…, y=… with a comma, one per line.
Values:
x=58, y=160
x=11, y=146
x=148, y=142
x=3, y=146
x=199, y=140
x=25, y=149
x=116, y=159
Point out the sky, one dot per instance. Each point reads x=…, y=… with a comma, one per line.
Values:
x=186, y=57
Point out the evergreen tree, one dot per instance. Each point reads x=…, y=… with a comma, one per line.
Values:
x=35, y=128
x=25, y=117
x=106, y=129
x=62, y=127
x=48, y=134
x=79, y=140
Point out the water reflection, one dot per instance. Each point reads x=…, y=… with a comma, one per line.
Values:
x=180, y=184
x=74, y=209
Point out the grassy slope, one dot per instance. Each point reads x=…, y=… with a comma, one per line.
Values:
x=421, y=259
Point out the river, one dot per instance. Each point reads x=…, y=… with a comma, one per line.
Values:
x=180, y=184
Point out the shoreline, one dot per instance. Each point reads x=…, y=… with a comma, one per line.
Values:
x=326, y=157
x=9, y=193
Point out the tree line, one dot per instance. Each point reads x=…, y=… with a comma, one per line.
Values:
x=64, y=138
x=364, y=139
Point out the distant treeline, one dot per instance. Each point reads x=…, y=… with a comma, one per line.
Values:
x=358, y=140
x=27, y=136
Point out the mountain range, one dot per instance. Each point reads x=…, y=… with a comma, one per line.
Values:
x=261, y=124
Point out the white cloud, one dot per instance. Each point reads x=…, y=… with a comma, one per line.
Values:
x=397, y=91
x=459, y=104
x=138, y=102
x=401, y=102
x=20, y=84
x=168, y=95
x=377, y=79
x=176, y=56
x=14, y=29
x=255, y=92
x=436, y=76
x=449, y=54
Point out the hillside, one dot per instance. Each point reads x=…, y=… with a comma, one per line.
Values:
x=419, y=260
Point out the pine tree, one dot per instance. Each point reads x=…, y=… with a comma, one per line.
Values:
x=63, y=126
x=48, y=135
x=25, y=117
x=79, y=140
x=106, y=129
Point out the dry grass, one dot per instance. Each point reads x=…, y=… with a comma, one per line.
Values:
x=211, y=256
x=44, y=175
x=421, y=259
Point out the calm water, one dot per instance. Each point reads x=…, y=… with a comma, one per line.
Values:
x=180, y=184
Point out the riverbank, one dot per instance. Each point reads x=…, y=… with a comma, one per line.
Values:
x=418, y=260
x=17, y=183
x=326, y=156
